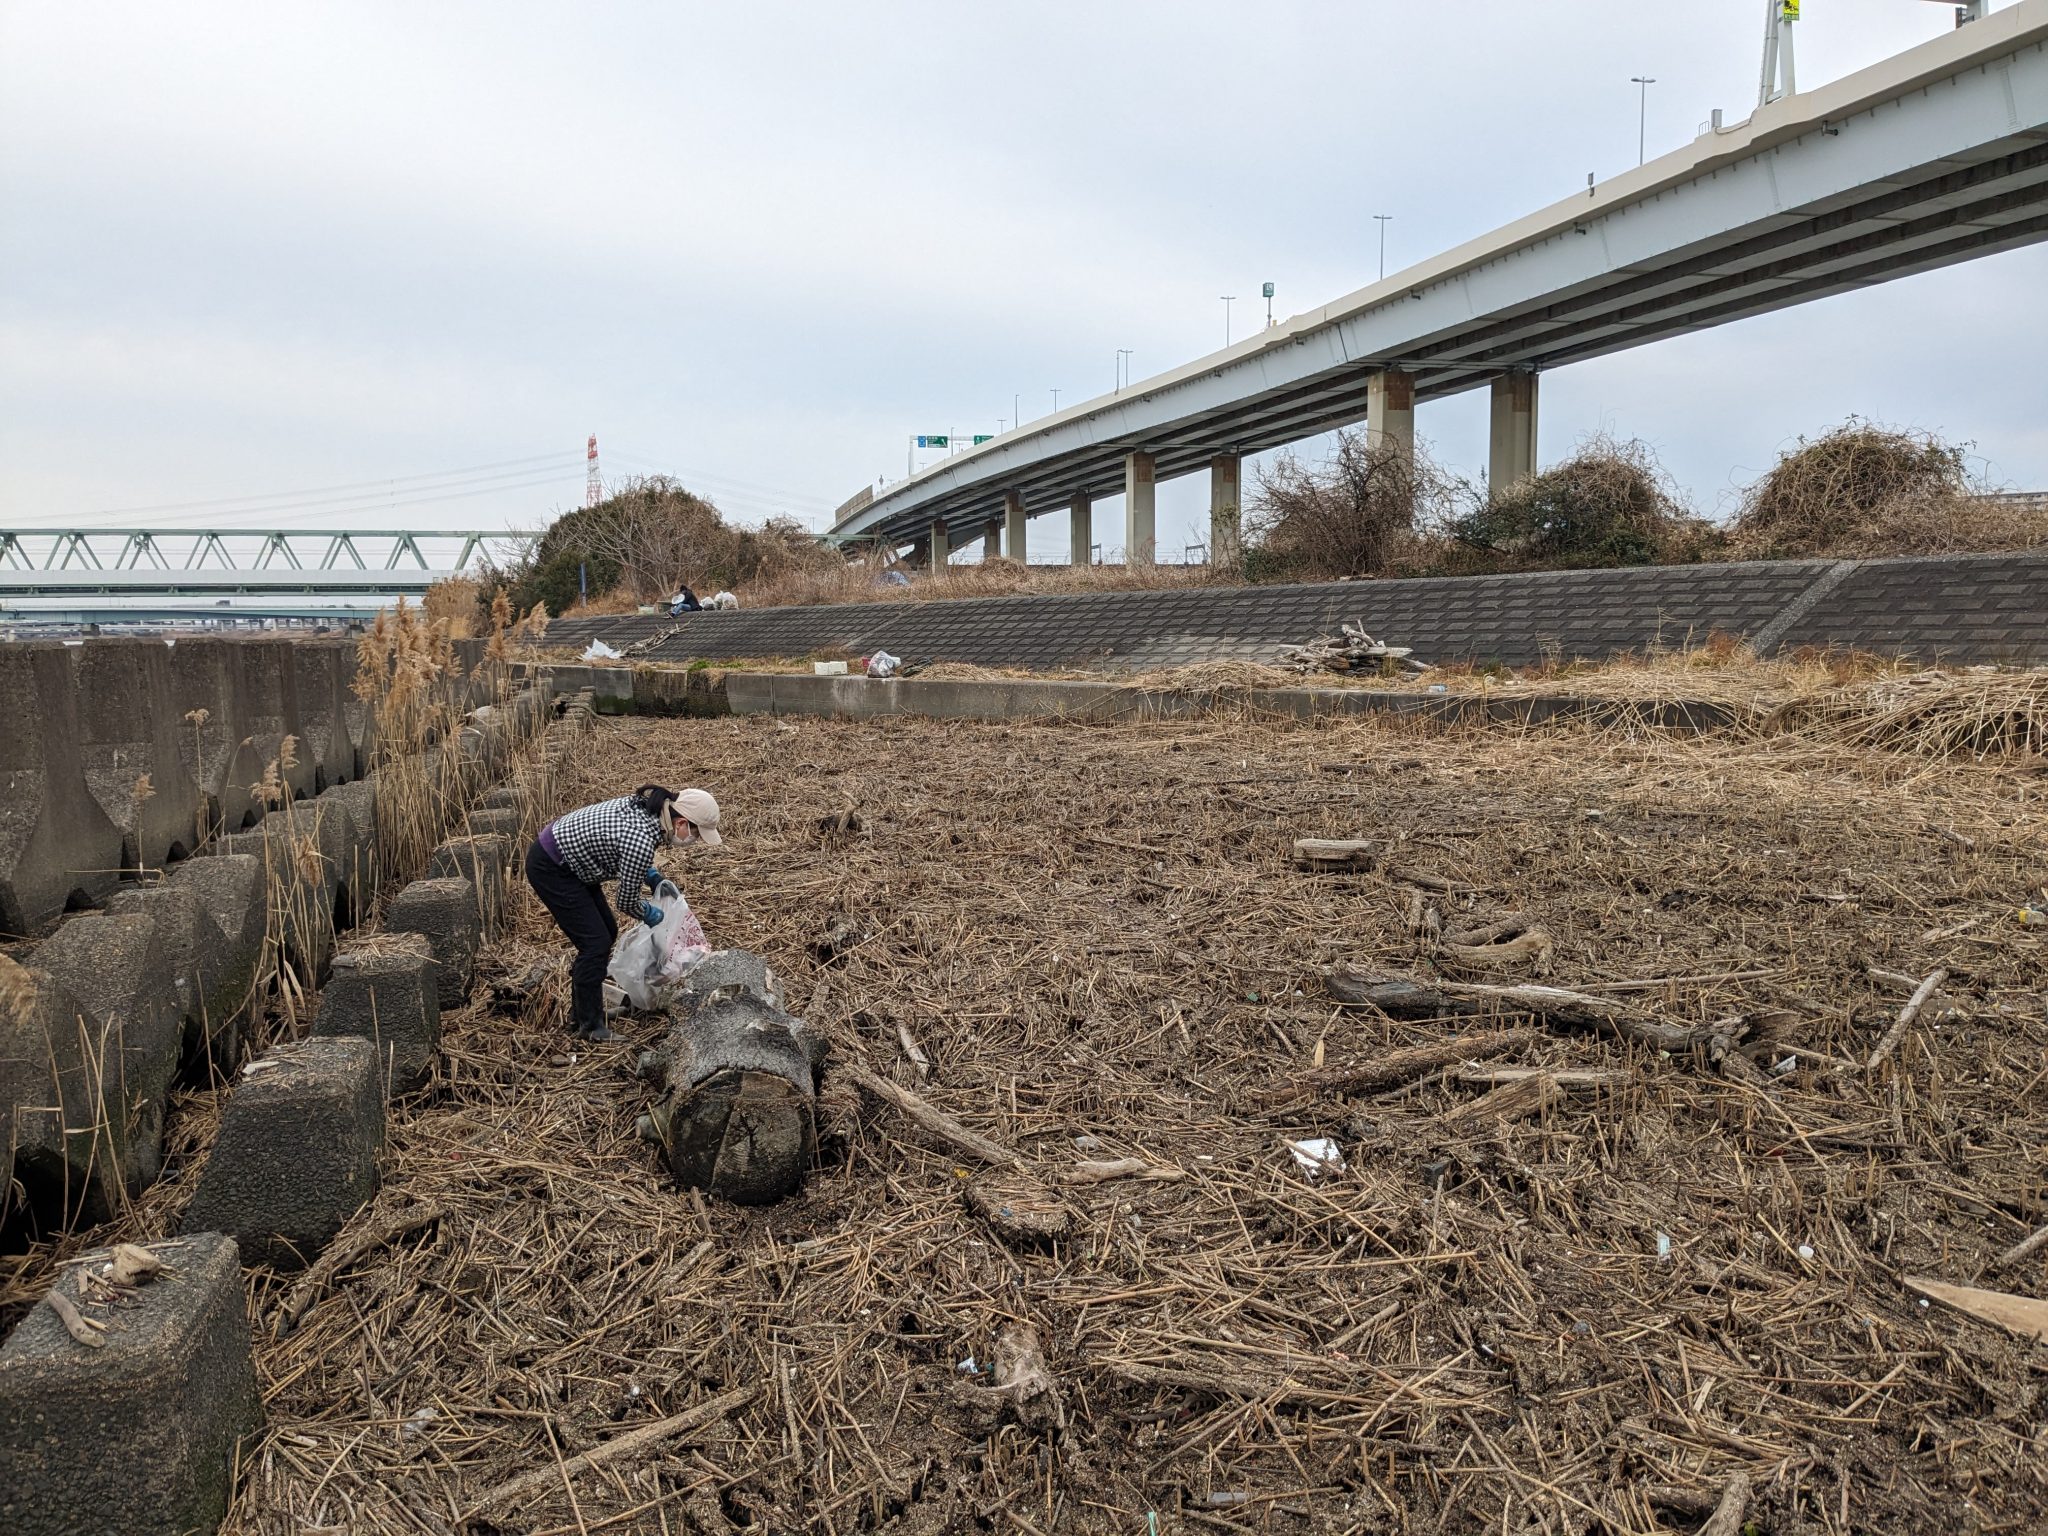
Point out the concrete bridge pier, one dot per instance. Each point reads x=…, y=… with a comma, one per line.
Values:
x=1511, y=442
x=1081, y=530
x=941, y=546
x=992, y=539
x=1141, y=487
x=1013, y=515
x=1226, y=512
x=1390, y=410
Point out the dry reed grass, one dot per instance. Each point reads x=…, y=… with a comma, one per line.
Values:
x=1095, y=933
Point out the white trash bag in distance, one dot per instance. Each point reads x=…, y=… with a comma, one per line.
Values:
x=647, y=963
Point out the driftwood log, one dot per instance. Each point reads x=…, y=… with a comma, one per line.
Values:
x=1401, y=998
x=737, y=1116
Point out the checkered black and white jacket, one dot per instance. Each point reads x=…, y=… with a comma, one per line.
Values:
x=611, y=840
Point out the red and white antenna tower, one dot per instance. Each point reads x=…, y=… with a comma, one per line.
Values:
x=593, y=489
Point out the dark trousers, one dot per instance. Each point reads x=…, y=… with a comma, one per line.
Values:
x=582, y=912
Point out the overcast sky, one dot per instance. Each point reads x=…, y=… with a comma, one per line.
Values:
x=249, y=251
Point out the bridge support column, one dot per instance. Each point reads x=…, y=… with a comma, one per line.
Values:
x=942, y=547
x=1013, y=515
x=1141, y=541
x=1081, y=530
x=992, y=539
x=1226, y=515
x=1390, y=410
x=1511, y=444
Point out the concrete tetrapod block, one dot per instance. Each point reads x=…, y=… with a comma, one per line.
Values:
x=482, y=861
x=738, y=1118
x=138, y=1437
x=297, y=1151
x=394, y=1002
x=445, y=912
x=45, y=1094
x=321, y=671
x=113, y=967
x=57, y=848
x=206, y=680
x=211, y=1004
x=128, y=732
x=301, y=848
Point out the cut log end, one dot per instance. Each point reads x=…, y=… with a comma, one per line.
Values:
x=747, y=1137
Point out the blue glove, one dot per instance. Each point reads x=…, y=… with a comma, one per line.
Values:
x=654, y=879
x=650, y=914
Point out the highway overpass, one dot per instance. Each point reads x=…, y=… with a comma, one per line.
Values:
x=1936, y=156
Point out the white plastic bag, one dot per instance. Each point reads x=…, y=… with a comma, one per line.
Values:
x=882, y=664
x=597, y=650
x=647, y=963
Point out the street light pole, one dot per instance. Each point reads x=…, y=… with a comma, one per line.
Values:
x=1383, y=219
x=1228, y=300
x=1123, y=367
x=1055, y=402
x=1642, y=111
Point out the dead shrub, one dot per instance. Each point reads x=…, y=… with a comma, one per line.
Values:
x=1866, y=490
x=1348, y=516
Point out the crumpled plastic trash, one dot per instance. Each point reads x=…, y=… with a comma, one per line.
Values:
x=1317, y=1156
x=882, y=664
x=599, y=651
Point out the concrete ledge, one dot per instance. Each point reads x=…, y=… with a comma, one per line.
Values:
x=444, y=912
x=1016, y=699
x=138, y=1436
x=394, y=1002
x=297, y=1151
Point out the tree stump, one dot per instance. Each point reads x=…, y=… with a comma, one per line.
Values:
x=737, y=1116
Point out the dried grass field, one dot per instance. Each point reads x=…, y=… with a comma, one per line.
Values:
x=1640, y=1291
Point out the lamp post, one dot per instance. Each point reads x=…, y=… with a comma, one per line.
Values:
x=1642, y=111
x=1055, y=402
x=1123, y=367
x=1267, y=291
x=1383, y=219
x=1228, y=300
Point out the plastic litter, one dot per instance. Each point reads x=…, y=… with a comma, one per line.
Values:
x=416, y=1422
x=648, y=963
x=597, y=650
x=828, y=669
x=882, y=664
x=2033, y=917
x=1317, y=1156
x=1806, y=1250
x=1663, y=1245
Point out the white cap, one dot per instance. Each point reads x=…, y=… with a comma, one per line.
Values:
x=701, y=811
